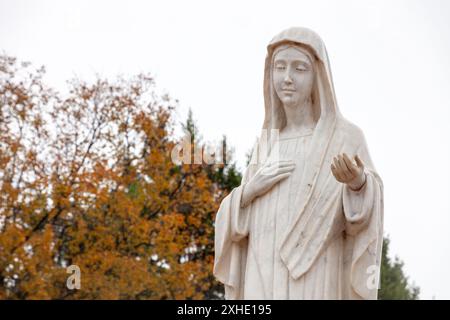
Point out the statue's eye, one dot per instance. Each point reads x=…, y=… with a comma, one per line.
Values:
x=280, y=67
x=300, y=68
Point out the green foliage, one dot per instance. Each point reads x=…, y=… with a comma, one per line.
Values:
x=191, y=127
x=394, y=283
x=227, y=176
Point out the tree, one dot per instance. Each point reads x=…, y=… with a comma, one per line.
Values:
x=394, y=284
x=88, y=180
x=26, y=261
x=224, y=176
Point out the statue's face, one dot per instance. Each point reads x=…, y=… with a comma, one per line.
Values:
x=293, y=76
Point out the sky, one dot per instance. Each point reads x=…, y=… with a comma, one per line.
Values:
x=390, y=64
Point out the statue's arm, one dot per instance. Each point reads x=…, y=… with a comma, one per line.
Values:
x=358, y=205
x=359, y=197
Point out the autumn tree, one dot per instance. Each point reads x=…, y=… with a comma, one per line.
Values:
x=88, y=179
x=225, y=176
x=26, y=259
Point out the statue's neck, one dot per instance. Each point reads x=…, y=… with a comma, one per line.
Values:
x=299, y=118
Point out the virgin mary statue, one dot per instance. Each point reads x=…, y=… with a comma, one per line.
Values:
x=307, y=220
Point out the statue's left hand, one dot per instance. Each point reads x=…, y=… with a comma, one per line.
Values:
x=346, y=171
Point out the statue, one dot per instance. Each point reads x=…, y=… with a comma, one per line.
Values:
x=307, y=220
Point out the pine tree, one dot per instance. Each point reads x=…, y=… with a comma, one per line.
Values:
x=224, y=177
x=394, y=284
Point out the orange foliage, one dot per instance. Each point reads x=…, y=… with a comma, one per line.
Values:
x=88, y=180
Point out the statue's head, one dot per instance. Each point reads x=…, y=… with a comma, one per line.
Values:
x=297, y=59
x=293, y=74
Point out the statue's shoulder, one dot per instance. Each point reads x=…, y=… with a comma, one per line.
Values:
x=350, y=131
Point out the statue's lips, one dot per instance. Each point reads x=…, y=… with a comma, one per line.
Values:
x=290, y=91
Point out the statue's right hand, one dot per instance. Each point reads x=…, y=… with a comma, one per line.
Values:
x=266, y=177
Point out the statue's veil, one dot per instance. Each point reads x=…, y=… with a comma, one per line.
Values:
x=325, y=108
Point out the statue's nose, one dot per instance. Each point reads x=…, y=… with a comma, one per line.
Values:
x=287, y=78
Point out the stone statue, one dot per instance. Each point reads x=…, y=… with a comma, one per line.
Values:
x=307, y=220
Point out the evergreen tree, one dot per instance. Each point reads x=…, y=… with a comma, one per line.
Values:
x=394, y=283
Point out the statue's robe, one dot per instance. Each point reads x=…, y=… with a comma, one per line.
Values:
x=310, y=236
x=331, y=252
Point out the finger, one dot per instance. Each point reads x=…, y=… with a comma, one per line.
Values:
x=274, y=170
x=350, y=165
x=284, y=169
x=345, y=171
x=339, y=168
x=284, y=163
x=281, y=163
x=359, y=162
x=335, y=162
x=335, y=173
x=281, y=177
x=351, y=169
x=336, y=167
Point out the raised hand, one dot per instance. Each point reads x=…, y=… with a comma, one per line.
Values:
x=265, y=178
x=346, y=171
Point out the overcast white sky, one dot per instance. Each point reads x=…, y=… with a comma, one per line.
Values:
x=390, y=62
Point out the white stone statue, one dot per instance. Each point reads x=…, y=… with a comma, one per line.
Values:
x=307, y=220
